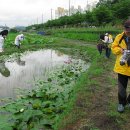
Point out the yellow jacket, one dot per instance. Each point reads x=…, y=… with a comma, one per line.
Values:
x=116, y=49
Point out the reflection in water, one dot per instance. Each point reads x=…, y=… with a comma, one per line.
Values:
x=3, y=69
x=59, y=53
x=22, y=71
x=19, y=61
x=27, y=68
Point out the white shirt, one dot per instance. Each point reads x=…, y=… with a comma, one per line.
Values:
x=107, y=39
x=18, y=39
x=1, y=43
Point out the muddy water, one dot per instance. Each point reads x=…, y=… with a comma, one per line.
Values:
x=22, y=71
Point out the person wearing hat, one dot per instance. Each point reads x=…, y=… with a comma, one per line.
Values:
x=121, y=48
x=18, y=39
x=106, y=40
x=3, y=35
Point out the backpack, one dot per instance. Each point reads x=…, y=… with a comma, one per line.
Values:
x=122, y=38
x=110, y=38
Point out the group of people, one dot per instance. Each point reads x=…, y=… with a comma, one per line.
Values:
x=105, y=43
x=121, y=48
x=3, y=35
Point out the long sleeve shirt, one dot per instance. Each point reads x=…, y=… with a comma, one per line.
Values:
x=18, y=39
x=1, y=43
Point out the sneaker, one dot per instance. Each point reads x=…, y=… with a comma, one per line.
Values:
x=120, y=108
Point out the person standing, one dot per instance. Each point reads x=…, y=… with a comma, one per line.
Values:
x=107, y=40
x=18, y=39
x=121, y=48
x=3, y=35
x=100, y=45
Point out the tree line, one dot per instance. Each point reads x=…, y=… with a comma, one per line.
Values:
x=106, y=12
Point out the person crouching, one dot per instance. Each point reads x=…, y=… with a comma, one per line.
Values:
x=18, y=39
x=3, y=35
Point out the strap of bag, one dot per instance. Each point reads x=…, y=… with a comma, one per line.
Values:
x=122, y=38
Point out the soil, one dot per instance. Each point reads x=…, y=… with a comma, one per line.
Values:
x=96, y=112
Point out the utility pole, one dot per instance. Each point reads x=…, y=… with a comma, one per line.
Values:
x=69, y=7
x=42, y=18
x=51, y=14
x=37, y=20
x=87, y=5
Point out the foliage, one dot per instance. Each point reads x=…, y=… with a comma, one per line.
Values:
x=13, y=30
x=106, y=11
x=90, y=18
x=121, y=10
x=29, y=39
x=103, y=15
x=85, y=34
x=39, y=108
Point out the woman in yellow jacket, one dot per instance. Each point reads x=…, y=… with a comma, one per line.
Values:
x=121, y=48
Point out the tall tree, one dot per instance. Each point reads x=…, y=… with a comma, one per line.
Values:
x=103, y=15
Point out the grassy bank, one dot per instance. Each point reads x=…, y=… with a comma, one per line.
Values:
x=85, y=34
x=92, y=104
x=31, y=42
x=45, y=104
x=86, y=90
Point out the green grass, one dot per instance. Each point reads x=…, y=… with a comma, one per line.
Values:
x=85, y=34
x=86, y=84
x=83, y=87
x=31, y=42
x=89, y=37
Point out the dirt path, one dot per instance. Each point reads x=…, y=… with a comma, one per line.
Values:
x=78, y=42
x=93, y=115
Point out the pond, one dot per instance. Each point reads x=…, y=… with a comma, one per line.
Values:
x=22, y=70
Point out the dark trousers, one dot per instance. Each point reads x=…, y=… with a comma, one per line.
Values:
x=108, y=52
x=18, y=46
x=122, y=86
x=100, y=48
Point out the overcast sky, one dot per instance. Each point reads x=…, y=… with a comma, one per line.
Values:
x=27, y=12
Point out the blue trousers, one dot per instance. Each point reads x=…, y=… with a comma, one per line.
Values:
x=108, y=52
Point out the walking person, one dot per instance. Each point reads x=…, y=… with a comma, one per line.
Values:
x=18, y=39
x=3, y=35
x=107, y=40
x=100, y=45
x=121, y=48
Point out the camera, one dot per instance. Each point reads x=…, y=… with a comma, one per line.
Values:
x=124, y=57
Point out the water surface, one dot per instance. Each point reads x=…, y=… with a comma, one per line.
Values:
x=22, y=71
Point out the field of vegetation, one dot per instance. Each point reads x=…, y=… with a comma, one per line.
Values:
x=84, y=34
x=71, y=99
x=106, y=13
